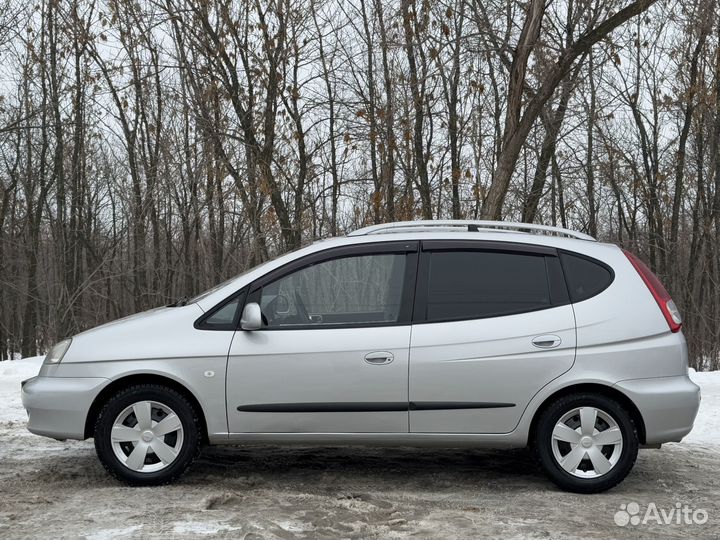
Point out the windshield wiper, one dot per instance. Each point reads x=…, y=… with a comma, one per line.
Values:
x=182, y=301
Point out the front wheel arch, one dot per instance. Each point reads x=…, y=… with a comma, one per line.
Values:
x=142, y=378
x=592, y=388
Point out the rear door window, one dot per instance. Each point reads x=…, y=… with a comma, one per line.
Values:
x=479, y=284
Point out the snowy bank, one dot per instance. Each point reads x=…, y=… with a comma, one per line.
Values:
x=12, y=372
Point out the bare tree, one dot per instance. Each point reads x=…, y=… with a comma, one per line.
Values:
x=151, y=148
x=519, y=120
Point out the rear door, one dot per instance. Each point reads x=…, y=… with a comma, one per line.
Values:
x=492, y=325
x=332, y=356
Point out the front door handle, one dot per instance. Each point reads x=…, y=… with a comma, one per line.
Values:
x=549, y=341
x=379, y=357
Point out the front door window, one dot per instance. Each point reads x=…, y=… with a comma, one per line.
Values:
x=362, y=289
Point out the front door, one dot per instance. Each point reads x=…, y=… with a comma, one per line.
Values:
x=332, y=355
x=494, y=325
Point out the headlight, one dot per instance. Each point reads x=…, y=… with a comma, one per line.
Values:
x=57, y=352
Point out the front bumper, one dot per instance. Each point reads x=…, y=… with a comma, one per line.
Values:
x=57, y=407
x=668, y=406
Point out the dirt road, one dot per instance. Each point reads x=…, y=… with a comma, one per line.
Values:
x=52, y=489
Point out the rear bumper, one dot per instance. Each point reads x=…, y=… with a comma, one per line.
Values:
x=57, y=407
x=668, y=406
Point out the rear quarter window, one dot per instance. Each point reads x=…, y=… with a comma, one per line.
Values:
x=585, y=277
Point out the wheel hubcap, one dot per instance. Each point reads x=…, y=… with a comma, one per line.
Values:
x=587, y=442
x=147, y=436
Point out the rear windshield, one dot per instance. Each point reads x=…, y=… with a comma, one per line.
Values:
x=585, y=277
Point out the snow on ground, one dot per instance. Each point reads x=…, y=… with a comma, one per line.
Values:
x=12, y=372
x=706, y=430
x=58, y=489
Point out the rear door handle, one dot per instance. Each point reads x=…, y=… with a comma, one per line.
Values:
x=549, y=341
x=379, y=357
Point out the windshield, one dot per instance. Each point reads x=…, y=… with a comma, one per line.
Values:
x=227, y=282
x=224, y=283
x=213, y=289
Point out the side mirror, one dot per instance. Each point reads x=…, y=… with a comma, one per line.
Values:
x=251, y=317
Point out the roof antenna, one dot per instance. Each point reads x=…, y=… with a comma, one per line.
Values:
x=473, y=228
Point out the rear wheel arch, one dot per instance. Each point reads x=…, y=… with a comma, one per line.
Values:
x=142, y=378
x=592, y=388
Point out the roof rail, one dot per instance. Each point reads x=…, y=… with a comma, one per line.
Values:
x=469, y=225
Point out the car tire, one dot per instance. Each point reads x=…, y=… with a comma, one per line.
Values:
x=574, y=429
x=135, y=446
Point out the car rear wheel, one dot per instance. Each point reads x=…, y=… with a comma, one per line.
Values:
x=147, y=435
x=586, y=443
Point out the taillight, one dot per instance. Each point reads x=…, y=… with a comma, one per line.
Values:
x=662, y=297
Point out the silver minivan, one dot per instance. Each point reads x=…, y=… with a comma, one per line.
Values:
x=426, y=333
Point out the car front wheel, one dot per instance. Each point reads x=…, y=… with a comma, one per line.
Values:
x=586, y=443
x=147, y=435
